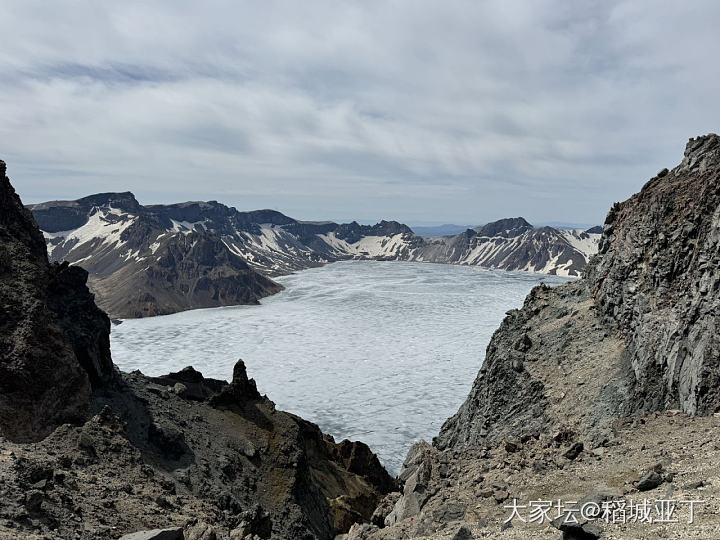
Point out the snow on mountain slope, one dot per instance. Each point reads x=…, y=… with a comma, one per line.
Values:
x=111, y=232
x=511, y=244
x=370, y=247
x=583, y=241
x=143, y=262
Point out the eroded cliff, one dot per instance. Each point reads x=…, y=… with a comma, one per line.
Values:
x=54, y=344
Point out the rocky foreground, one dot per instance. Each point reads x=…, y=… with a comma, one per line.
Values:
x=602, y=391
x=89, y=452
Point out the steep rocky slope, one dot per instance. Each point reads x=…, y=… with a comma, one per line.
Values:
x=569, y=379
x=131, y=251
x=89, y=452
x=189, y=271
x=658, y=283
x=507, y=244
x=53, y=340
x=514, y=244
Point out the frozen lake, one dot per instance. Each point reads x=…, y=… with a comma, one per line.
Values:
x=381, y=352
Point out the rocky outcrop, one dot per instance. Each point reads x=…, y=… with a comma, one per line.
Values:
x=657, y=282
x=226, y=444
x=469, y=492
x=356, y=457
x=53, y=341
x=353, y=232
x=86, y=326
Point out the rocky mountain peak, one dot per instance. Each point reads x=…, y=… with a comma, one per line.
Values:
x=17, y=220
x=123, y=201
x=389, y=228
x=57, y=216
x=701, y=153
x=507, y=227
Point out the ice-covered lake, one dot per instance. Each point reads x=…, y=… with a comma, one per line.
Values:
x=381, y=352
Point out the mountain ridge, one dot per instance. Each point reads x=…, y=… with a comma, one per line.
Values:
x=112, y=233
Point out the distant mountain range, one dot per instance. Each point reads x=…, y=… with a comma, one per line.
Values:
x=159, y=259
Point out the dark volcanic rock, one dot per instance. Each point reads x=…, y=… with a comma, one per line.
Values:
x=504, y=227
x=42, y=383
x=503, y=401
x=352, y=232
x=638, y=333
x=246, y=454
x=650, y=480
x=190, y=384
x=578, y=531
x=240, y=390
x=657, y=282
x=574, y=451
x=87, y=327
x=356, y=457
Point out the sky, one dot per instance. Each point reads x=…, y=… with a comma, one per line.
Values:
x=422, y=111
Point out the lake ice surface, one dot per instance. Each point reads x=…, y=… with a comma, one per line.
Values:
x=382, y=352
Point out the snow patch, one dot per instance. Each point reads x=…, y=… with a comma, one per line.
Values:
x=187, y=226
x=587, y=246
x=98, y=226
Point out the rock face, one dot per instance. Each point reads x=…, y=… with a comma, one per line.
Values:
x=53, y=341
x=657, y=282
x=129, y=453
x=357, y=457
x=86, y=326
x=638, y=333
x=152, y=260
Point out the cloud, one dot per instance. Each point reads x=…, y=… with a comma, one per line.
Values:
x=415, y=110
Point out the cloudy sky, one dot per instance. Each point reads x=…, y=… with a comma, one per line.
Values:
x=422, y=111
